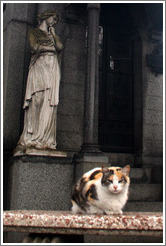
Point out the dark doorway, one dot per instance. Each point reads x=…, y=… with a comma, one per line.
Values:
x=116, y=87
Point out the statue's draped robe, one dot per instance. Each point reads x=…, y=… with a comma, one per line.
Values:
x=42, y=94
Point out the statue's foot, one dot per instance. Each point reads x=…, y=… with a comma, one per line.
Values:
x=52, y=146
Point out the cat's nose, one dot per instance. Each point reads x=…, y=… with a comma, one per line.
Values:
x=115, y=187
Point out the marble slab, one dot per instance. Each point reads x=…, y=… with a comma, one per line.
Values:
x=66, y=222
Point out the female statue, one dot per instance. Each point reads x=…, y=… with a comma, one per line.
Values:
x=42, y=91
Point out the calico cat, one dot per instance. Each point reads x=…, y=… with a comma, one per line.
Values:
x=101, y=191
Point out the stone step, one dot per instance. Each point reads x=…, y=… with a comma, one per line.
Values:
x=144, y=207
x=141, y=175
x=145, y=192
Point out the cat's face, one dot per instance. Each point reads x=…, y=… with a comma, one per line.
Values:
x=115, y=178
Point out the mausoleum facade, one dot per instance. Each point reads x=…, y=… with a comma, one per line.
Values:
x=110, y=109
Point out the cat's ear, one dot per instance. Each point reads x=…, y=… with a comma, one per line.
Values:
x=126, y=170
x=105, y=170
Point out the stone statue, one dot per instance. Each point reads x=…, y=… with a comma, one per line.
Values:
x=42, y=90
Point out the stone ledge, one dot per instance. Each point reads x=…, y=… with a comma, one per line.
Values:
x=39, y=152
x=64, y=222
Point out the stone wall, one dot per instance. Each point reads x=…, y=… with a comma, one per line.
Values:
x=152, y=108
x=148, y=102
x=71, y=106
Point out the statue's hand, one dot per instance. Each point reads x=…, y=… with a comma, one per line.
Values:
x=58, y=43
x=52, y=30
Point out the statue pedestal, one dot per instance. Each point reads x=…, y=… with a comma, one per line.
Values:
x=40, y=152
x=41, y=182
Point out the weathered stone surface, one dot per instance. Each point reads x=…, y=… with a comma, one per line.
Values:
x=24, y=12
x=144, y=206
x=74, y=108
x=153, y=116
x=153, y=132
x=17, y=19
x=69, y=140
x=41, y=183
x=74, y=123
x=141, y=175
x=73, y=92
x=20, y=12
x=13, y=83
x=75, y=76
x=121, y=159
x=145, y=192
x=149, y=160
x=154, y=103
x=154, y=90
x=153, y=147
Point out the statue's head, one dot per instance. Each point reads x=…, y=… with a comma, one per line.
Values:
x=46, y=14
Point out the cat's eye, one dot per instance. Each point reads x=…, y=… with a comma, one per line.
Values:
x=120, y=181
x=109, y=181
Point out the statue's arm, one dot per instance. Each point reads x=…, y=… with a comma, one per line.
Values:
x=58, y=43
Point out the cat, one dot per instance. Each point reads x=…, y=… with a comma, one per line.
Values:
x=101, y=191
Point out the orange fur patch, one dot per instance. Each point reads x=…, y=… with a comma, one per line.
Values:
x=97, y=176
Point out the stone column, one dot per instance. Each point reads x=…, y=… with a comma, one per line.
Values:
x=91, y=89
x=90, y=154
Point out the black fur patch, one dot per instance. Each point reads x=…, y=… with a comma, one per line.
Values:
x=78, y=197
x=103, y=180
x=94, y=174
x=125, y=180
x=111, y=172
x=105, y=177
x=92, y=192
x=118, y=169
